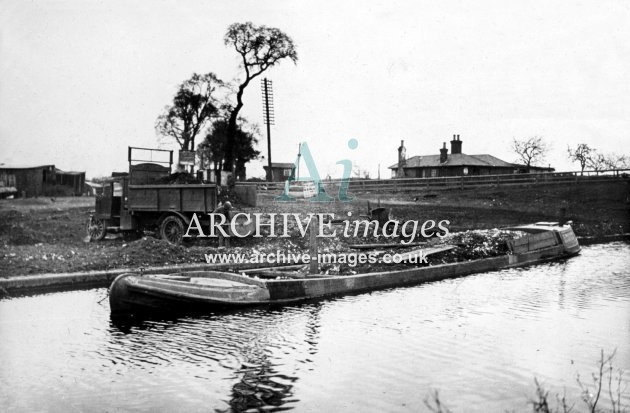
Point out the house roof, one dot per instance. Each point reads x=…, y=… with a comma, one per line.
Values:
x=493, y=160
x=280, y=165
x=458, y=159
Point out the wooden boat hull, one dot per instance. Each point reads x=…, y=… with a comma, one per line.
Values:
x=132, y=292
x=203, y=290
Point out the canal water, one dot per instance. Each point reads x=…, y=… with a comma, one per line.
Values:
x=480, y=340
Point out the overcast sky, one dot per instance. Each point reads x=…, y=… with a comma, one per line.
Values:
x=81, y=80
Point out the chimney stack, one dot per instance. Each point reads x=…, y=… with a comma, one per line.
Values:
x=456, y=145
x=443, y=153
x=402, y=155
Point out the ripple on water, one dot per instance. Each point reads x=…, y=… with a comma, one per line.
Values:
x=480, y=340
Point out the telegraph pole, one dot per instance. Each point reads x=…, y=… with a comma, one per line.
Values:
x=298, y=162
x=268, y=116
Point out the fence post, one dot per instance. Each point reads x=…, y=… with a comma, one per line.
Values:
x=462, y=183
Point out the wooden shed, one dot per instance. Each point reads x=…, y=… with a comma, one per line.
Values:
x=280, y=171
x=28, y=180
x=73, y=180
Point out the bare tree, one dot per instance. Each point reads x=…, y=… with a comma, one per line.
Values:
x=260, y=48
x=193, y=106
x=531, y=150
x=599, y=161
x=580, y=154
x=616, y=161
x=596, y=161
x=360, y=173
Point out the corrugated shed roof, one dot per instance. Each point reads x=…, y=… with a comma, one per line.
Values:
x=59, y=171
x=23, y=166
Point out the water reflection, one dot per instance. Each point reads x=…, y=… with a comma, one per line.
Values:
x=257, y=389
x=480, y=340
x=248, y=343
x=261, y=385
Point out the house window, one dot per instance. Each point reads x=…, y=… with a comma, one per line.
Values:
x=433, y=173
x=465, y=170
x=286, y=172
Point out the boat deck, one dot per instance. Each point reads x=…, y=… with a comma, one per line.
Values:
x=215, y=282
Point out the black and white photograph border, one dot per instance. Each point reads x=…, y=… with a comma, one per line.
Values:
x=315, y=206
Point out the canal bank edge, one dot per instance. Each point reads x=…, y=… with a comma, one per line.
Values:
x=76, y=280
x=85, y=279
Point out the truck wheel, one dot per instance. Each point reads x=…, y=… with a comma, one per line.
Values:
x=172, y=229
x=96, y=229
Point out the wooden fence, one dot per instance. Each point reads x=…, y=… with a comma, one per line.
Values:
x=462, y=182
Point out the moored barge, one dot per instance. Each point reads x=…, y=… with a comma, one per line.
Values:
x=132, y=293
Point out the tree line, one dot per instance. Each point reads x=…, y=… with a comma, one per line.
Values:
x=207, y=108
x=593, y=159
x=533, y=151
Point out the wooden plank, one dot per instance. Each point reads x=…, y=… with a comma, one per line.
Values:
x=375, y=246
x=288, y=274
x=533, y=242
x=276, y=267
x=275, y=274
x=425, y=252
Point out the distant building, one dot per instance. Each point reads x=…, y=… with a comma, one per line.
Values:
x=93, y=188
x=454, y=164
x=27, y=180
x=73, y=180
x=39, y=180
x=280, y=171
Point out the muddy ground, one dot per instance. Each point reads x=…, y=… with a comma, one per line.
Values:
x=46, y=235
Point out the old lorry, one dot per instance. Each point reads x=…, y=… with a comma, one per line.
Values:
x=139, y=200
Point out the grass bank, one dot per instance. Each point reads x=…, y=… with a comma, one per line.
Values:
x=45, y=235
